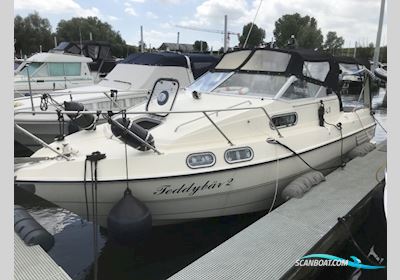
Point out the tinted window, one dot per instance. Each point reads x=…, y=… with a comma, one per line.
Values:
x=284, y=120
x=72, y=69
x=33, y=66
x=56, y=69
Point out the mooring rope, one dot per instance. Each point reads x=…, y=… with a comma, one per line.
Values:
x=93, y=159
x=276, y=182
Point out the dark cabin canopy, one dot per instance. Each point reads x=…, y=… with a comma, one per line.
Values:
x=315, y=67
x=352, y=60
x=199, y=63
x=94, y=49
x=98, y=51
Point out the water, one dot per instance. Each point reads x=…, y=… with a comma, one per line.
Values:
x=167, y=250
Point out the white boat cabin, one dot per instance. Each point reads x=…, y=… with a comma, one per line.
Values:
x=44, y=72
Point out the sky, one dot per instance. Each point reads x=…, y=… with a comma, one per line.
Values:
x=354, y=20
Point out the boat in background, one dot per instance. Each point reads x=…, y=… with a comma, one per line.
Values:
x=128, y=84
x=100, y=52
x=351, y=76
x=227, y=144
x=46, y=72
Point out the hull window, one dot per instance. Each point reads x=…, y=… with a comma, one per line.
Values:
x=239, y=155
x=200, y=160
x=284, y=120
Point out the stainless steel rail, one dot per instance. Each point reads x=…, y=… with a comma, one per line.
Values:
x=199, y=118
x=204, y=112
x=40, y=141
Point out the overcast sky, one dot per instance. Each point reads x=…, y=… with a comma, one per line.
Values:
x=354, y=20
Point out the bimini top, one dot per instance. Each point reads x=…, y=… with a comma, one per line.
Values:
x=315, y=67
x=199, y=63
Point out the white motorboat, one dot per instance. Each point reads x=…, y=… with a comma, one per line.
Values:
x=128, y=84
x=100, y=52
x=46, y=72
x=222, y=146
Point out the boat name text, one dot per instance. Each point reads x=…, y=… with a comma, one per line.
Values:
x=192, y=188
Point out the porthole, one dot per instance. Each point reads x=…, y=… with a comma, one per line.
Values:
x=239, y=155
x=200, y=160
x=284, y=120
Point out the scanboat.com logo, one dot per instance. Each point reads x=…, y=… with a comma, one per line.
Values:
x=329, y=260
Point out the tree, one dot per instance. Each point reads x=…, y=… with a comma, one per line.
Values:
x=200, y=46
x=333, y=42
x=32, y=32
x=305, y=30
x=256, y=36
x=80, y=28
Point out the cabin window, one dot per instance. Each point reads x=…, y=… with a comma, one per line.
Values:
x=284, y=120
x=208, y=81
x=72, y=69
x=42, y=71
x=268, y=61
x=233, y=60
x=239, y=155
x=33, y=66
x=301, y=89
x=200, y=160
x=56, y=69
x=65, y=69
x=252, y=85
x=316, y=70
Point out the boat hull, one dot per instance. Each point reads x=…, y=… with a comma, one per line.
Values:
x=217, y=193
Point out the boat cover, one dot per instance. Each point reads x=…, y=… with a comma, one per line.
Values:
x=312, y=66
x=352, y=60
x=199, y=63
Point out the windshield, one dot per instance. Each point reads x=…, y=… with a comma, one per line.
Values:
x=208, y=81
x=33, y=66
x=239, y=84
x=252, y=85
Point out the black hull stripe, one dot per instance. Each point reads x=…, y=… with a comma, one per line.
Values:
x=203, y=173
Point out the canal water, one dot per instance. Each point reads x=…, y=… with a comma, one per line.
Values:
x=167, y=250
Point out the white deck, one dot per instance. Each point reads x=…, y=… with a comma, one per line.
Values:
x=268, y=248
x=33, y=263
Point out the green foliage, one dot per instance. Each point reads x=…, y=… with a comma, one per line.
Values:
x=333, y=42
x=305, y=30
x=256, y=36
x=79, y=27
x=197, y=46
x=31, y=32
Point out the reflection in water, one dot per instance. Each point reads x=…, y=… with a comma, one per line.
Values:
x=167, y=250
